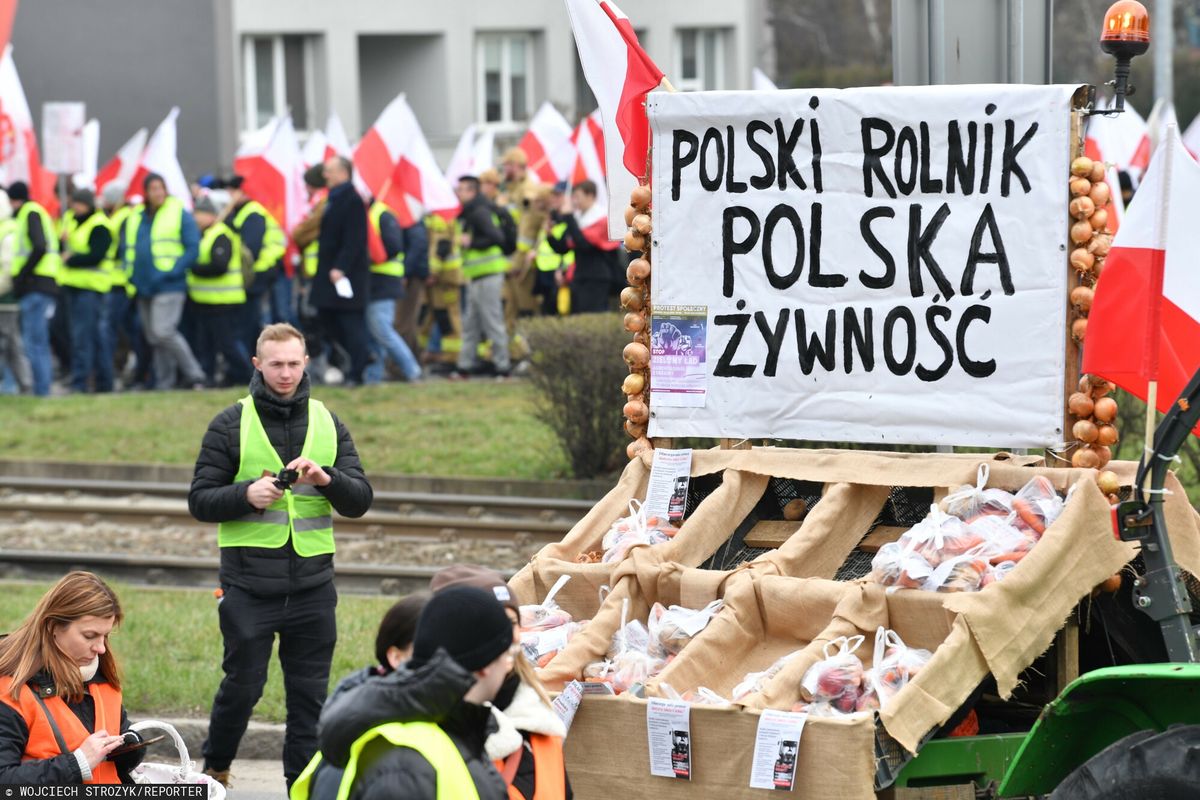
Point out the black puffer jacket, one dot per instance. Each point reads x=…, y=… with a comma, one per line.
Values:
x=216, y=497
x=431, y=693
x=61, y=770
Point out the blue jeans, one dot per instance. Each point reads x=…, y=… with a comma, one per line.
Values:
x=36, y=310
x=386, y=342
x=87, y=313
x=283, y=301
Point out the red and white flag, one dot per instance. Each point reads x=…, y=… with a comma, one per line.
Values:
x=1191, y=137
x=1119, y=136
x=1161, y=116
x=588, y=139
x=20, y=159
x=272, y=168
x=1144, y=324
x=1094, y=149
x=620, y=74
x=472, y=155
x=121, y=167
x=86, y=177
x=316, y=148
x=547, y=145
x=398, y=167
x=759, y=81
x=160, y=157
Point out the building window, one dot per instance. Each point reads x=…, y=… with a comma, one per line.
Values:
x=700, y=58
x=505, y=77
x=278, y=78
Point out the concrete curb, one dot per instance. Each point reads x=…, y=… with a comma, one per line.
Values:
x=263, y=740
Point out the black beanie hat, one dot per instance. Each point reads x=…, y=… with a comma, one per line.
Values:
x=468, y=623
x=18, y=190
x=399, y=626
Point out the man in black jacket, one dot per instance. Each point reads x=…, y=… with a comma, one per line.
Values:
x=218, y=299
x=276, y=543
x=461, y=656
x=341, y=287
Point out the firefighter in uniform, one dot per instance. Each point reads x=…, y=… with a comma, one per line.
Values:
x=443, y=328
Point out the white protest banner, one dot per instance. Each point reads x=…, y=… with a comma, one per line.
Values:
x=878, y=265
x=62, y=136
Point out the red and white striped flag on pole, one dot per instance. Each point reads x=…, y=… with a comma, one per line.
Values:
x=272, y=168
x=547, y=145
x=588, y=139
x=620, y=74
x=316, y=148
x=397, y=165
x=121, y=167
x=1144, y=325
x=160, y=157
x=472, y=155
x=20, y=159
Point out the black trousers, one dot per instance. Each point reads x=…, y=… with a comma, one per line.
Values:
x=217, y=330
x=307, y=632
x=349, y=329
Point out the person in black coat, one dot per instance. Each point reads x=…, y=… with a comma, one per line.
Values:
x=461, y=656
x=273, y=590
x=342, y=254
x=598, y=269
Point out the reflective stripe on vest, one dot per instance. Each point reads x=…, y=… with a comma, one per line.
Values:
x=312, y=255
x=96, y=278
x=454, y=780
x=478, y=263
x=303, y=509
x=113, y=265
x=51, y=262
x=222, y=290
x=274, y=243
x=549, y=772
x=547, y=259
x=42, y=743
x=166, y=234
x=393, y=266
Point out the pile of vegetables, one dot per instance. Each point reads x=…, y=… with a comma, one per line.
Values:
x=635, y=299
x=546, y=628
x=840, y=684
x=1093, y=410
x=638, y=528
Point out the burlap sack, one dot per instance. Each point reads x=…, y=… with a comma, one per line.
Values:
x=607, y=755
x=643, y=583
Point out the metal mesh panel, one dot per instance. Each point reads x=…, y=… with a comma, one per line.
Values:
x=779, y=492
x=905, y=507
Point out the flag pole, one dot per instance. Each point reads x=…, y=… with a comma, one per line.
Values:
x=1151, y=416
x=666, y=84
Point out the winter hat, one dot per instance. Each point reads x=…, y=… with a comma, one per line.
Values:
x=465, y=621
x=399, y=626
x=113, y=193
x=472, y=575
x=205, y=205
x=84, y=196
x=18, y=190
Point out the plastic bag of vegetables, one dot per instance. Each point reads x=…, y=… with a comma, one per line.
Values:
x=969, y=503
x=545, y=615
x=638, y=528
x=895, y=665
x=1036, y=506
x=837, y=678
x=672, y=628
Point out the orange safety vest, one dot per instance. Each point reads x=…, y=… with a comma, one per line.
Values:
x=549, y=773
x=43, y=744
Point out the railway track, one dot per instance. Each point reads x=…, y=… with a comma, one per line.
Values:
x=419, y=517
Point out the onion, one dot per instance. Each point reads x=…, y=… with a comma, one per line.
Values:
x=1107, y=435
x=634, y=322
x=1099, y=246
x=1108, y=482
x=1085, y=458
x=1082, y=207
x=1100, y=194
x=1081, y=298
x=1104, y=453
x=1099, y=219
x=1105, y=409
x=1081, y=232
x=636, y=243
x=639, y=198
x=636, y=355
x=1098, y=170
x=1085, y=384
x=1079, y=329
x=641, y=224
x=1100, y=387
x=633, y=384
x=1080, y=405
x=1082, y=260
x=1111, y=584
x=636, y=411
x=638, y=271
x=635, y=430
x=630, y=213
x=1080, y=186
x=632, y=298
x=1085, y=431
x=1082, y=166
x=795, y=510
x=638, y=446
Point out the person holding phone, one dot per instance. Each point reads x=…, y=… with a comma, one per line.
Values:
x=61, y=714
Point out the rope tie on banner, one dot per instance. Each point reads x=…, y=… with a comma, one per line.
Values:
x=1168, y=458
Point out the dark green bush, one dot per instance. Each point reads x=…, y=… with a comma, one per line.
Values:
x=577, y=371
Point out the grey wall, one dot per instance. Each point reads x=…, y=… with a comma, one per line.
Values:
x=130, y=61
x=390, y=64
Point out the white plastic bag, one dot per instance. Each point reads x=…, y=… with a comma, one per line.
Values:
x=757, y=681
x=969, y=503
x=672, y=628
x=183, y=773
x=545, y=615
x=636, y=529
x=837, y=678
x=895, y=665
x=1036, y=506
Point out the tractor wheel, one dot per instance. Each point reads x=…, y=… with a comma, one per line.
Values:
x=1147, y=765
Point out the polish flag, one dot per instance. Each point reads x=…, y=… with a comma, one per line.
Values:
x=472, y=155
x=1145, y=320
x=1191, y=137
x=1161, y=116
x=124, y=164
x=160, y=157
x=398, y=167
x=8, y=12
x=20, y=159
x=322, y=145
x=759, y=81
x=547, y=145
x=1116, y=207
x=316, y=149
x=1120, y=136
x=86, y=178
x=588, y=139
x=620, y=74
x=272, y=166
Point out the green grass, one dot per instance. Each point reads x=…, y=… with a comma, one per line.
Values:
x=169, y=646
x=462, y=429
